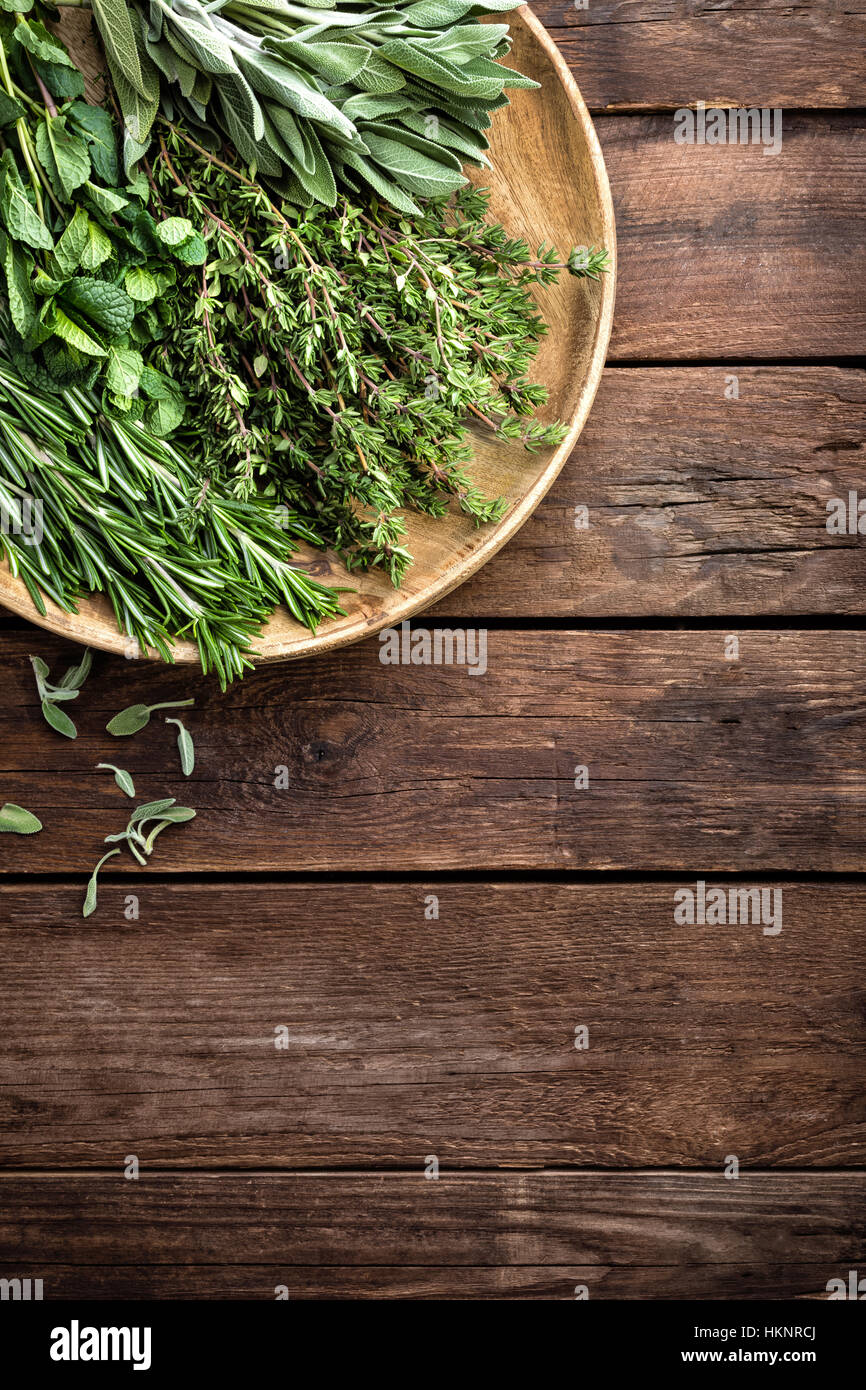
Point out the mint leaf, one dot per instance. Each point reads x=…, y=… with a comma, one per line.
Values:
x=140, y=285
x=19, y=215
x=22, y=301
x=97, y=249
x=104, y=304
x=123, y=370
x=174, y=231
x=70, y=247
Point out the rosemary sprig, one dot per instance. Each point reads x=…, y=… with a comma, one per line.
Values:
x=121, y=515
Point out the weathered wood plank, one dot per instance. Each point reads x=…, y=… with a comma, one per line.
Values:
x=669, y=53
x=728, y=253
x=699, y=503
x=401, y=1036
x=696, y=762
x=521, y=1282
x=688, y=1234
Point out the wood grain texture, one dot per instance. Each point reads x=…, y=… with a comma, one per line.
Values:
x=696, y=763
x=684, y=1234
x=512, y=1282
x=628, y=54
x=405, y=1037
x=698, y=504
x=725, y=252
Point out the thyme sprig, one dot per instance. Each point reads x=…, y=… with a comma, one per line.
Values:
x=334, y=356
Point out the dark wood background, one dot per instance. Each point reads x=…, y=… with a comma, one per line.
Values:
x=304, y=909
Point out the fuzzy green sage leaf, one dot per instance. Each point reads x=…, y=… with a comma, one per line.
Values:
x=90, y=896
x=16, y=821
x=135, y=717
x=121, y=777
x=185, y=746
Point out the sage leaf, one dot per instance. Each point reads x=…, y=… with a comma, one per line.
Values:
x=177, y=816
x=41, y=672
x=16, y=821
x=90, y=895
x=121, y=777
x=58, y=719
x=185, y=745
x=118, y=35
x=77, y=675
x=135, y=717
x=151, y=809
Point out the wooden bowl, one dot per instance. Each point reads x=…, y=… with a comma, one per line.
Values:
x=548, y=184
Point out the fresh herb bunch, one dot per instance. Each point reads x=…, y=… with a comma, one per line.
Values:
x=393, y=98
x=84, y=266
x=334, y=356
x=122, y=513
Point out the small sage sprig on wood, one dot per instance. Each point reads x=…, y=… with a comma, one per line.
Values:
x=140, y=845
x=16, y=821
x=90, y=895
x=185, y=746
x=121, y=777
x=135, y=717
x=68, y=689
x=164, y=812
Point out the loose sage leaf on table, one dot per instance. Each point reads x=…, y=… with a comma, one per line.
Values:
x=58, y=719
x=90, y=896
x=135, y=717
x=15, y=820
x=185, y=745
x=177, y=816
x=68, y=689
x=77, y=675
x=121, y=777
x=151, y=809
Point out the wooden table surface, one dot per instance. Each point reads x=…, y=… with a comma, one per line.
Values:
x=286, y=1038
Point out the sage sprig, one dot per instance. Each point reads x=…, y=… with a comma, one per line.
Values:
x=121, y=777
x=90, y=895
x=15, y=820
x=163, y=813
x=185, y=746
x=68, y=689
x=135, y=717
x=392, y=98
